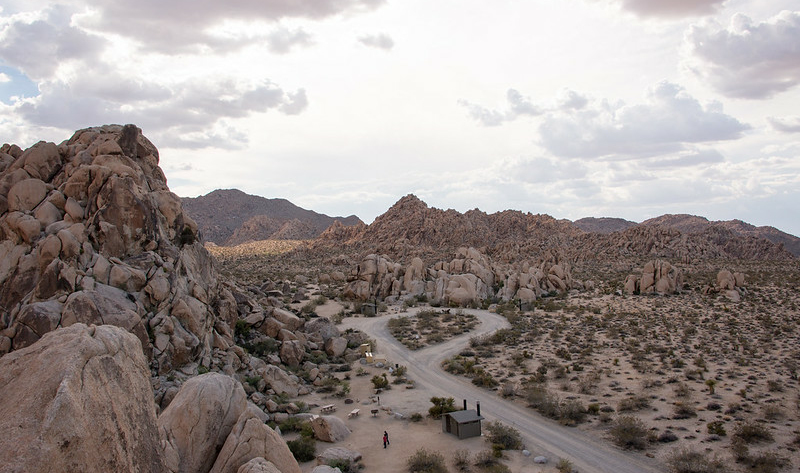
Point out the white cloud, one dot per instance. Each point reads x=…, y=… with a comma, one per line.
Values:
x=790, y=124
x=188, y=114
x=380, y=41
x=666, y=122
x=4, y=78
x=282, y=39
x=38, y=43
x=670, y=8
x=747, y=59
x=518, y=105
x=180, y=26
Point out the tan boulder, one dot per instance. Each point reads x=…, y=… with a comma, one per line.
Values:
x=41, y=160
x=631, y=284
x=258, y=465
x=725, y=280
x=26, y=195
x=288, y=319
x=78, y=400
x=292, y=352
x=250, y=438
x=336, y=346
x=196, y=424
x=329, y=429
x=278, y=380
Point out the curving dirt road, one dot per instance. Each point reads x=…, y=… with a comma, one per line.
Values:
x=588, y=454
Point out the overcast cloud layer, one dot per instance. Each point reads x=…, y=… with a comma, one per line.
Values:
x=628, y=108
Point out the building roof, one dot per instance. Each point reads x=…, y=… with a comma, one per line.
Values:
x=463, y=417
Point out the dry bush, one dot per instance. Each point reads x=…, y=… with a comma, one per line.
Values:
x=634, y=403
x=461, y=460
x=629, y=432
x=690, y=461
x=425, y=461
x=752, y=432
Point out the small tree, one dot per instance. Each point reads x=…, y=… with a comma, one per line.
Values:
x=441, y=405
x=380, y=382
x=629, y=432
x=711, y=383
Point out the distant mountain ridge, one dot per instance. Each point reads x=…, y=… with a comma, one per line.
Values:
x=411, y=227
x=694, y=224
x=230, y=217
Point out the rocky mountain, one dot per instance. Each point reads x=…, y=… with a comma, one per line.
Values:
x=411, y=228
x=230, y=217
x=603, y=224
x=694, y=224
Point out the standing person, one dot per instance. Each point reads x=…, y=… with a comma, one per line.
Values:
x=385, y=439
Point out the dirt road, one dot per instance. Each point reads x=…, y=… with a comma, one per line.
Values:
x=588, y=454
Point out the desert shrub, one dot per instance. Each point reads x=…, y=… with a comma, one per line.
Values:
x=681, y=390
x=629, y=432
x=689, y=461
x=484, y=379
x=380, y=382
x=571, y=412
x=766, y=462
x=564, y=466
x=504, y=435
x=772, y=412
x=543, y=401
x=667, y=436
x=441, y=405
x=304, y=449
x=634, y=403
x=461, y=460
x=752, y=432
x=292, y=424
x=485, y=459
x=717, y=427
x=425, y=461
x=774, y=385
x=344, y=465
x=416, y=417
x=683, y=411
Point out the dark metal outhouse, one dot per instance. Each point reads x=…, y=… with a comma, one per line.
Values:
x=462, y=424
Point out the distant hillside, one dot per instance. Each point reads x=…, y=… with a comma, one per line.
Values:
x=230, y=217
x=411, y=227
x=694, y=224
x=603, y=224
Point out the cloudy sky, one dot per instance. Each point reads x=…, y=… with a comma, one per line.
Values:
x=574, y=108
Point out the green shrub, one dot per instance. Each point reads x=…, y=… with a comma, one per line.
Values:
x=716, y=427
x=380, y=382
x=634, y=403
x=425, y=461
x=564, y=466
x=304, y=449
x=500, y=434
x=441, y=405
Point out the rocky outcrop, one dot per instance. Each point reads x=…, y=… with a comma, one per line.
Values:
x=729, y=284
x=90, y=233
x=258, y=465
x=194, y=427
x=78, y=400
x=658, y=277
x=329, y=429
x=468, y=279
x=250, y=439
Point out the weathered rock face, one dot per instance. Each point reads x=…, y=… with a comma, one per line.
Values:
x=89, y=232
x=198, y=421
x=78, y=400
x=469, y=278
x=329, y=429
x=729, y=284
x=658, y=277
x=251, y=439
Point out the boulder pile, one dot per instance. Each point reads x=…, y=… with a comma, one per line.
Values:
x=658, y=277
x=469, y=278
x=730, y=284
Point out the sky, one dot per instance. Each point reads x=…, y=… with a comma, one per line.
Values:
x=572, y=108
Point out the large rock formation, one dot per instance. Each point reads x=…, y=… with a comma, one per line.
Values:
x=468, y=279
x=658, y=277
x=90, y=233
x=78, y=400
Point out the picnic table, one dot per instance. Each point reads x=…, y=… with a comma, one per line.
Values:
x=354, y=413
x=328, y=408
